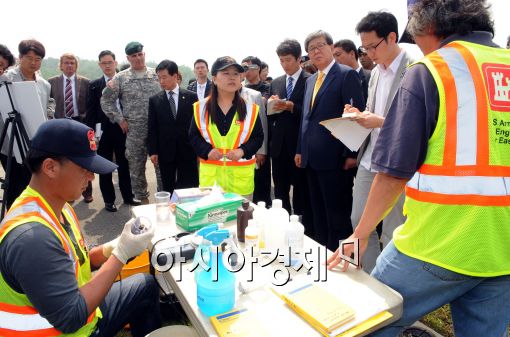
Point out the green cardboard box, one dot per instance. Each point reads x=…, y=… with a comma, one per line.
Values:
x=191, y=218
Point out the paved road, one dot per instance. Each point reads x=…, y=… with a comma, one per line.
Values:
x=99, y=225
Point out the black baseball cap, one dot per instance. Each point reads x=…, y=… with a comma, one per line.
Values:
x=223, y=63
x=72, y=140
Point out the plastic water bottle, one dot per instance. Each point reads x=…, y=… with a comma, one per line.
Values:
x=260, y=217
x=277, y=219
x=251, y=235
x=294, y=237
x=216, y=287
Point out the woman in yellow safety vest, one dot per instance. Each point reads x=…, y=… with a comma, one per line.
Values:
x=226, y=132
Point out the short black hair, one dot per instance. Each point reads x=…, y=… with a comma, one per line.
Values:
x=348, y=46
x=7, y=55
x=383, y=23
x=35, y=158
x=289, y=47
x=317, y=34
x=26, y=46
x=171, y=66
x=105, y=53
x=201, y=61
x=263, y=65
x=253, y=60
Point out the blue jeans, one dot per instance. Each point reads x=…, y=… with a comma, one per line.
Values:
x=480, y=306
x=134, y=300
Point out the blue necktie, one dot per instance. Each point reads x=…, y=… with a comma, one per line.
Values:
x=289, y=87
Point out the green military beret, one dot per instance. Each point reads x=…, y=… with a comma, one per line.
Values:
x=133, y=47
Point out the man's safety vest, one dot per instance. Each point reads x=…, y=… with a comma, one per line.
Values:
x=458, y=203
x=18, y=317
x=232, y=176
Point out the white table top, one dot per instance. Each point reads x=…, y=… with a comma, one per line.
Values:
x=354, y=285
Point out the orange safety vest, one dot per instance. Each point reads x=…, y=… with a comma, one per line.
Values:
x=232, y=176
x=458, y=203
x=18, y=317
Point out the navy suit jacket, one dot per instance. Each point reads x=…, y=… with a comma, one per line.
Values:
x=317, y=146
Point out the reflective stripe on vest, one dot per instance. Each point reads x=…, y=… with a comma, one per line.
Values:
x=465, y=159
x=202, y=120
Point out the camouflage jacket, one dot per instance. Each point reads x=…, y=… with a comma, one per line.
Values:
x=133, y=90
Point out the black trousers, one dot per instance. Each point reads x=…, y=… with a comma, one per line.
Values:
x=180, y=174
x=113, y=141
x=18, y=180
x=285, y=175
x=262, y=191
x=331, y=199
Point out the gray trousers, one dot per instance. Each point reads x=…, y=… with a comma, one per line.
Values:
x=395, y=217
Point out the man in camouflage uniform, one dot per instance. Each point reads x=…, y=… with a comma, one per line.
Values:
x=133, y=87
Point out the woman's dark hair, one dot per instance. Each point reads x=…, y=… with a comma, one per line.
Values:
x=448, y=17
x=7, y=55
x=212, y=105
x=35, y=158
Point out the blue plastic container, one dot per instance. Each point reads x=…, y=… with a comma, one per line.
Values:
x=216, y=287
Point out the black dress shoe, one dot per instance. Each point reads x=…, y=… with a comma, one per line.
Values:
x=110, y=207
x=133, y=202
x=88, y=199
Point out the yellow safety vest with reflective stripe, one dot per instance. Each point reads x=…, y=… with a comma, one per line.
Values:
x=232, y=176
x=458, y=203
x=18, y=317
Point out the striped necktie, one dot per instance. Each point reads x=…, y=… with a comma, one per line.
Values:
x=68, y=99
x=290, y=87
x=317, y=86
x=172, y=104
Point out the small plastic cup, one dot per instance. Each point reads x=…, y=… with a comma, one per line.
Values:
x=162, y=205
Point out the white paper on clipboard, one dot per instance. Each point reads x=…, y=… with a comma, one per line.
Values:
x=347, y=131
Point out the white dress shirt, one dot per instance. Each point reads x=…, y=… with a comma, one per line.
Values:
x=386, y=78
x=175, y=96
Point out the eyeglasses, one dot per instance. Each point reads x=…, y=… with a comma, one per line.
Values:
x=365, y=50
x=247, y=67
x=312, y=49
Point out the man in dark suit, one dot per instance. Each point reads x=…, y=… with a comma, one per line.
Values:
x=113, y=139
x=284, y=127
x=69, y=91
x=345, y=52
x=327, y=160
x=170, y=115
x=202, y=85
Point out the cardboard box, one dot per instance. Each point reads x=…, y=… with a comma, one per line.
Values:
x=184, y=195
x=192, y=218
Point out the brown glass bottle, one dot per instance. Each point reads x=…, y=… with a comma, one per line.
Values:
x=244, y=213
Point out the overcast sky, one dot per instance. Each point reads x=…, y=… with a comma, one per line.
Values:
x=184, y=30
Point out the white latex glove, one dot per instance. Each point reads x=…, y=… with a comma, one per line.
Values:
x=131, y=245
x=109, y=246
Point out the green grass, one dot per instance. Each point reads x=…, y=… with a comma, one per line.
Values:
x=440, y=321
